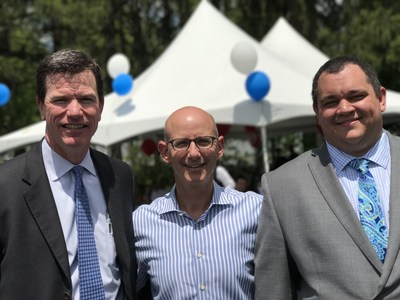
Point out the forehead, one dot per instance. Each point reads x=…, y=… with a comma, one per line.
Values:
x=72, y=81
x=350, y=77
x=190, y=126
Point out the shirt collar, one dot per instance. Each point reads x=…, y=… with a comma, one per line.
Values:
x=172, y=204
x=379, y=154
x=57, y=166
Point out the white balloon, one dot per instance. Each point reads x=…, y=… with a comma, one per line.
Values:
x=244, y=57
x=117, y=64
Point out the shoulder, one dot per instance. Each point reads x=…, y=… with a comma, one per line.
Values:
x=300, y=163
x=297, y=171
x=108, y=163
x=156, y=207
x=29, y=161
x=239, y=208
x=393, y=139
x=10, y=172
x=13, y=164
x=148, y=215
x=102, y=157
x=242, y=200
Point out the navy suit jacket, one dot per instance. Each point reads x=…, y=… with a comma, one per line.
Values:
x=33, y=255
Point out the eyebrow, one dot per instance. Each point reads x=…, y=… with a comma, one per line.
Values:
x=333, y=96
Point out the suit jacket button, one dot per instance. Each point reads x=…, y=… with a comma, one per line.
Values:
x=67, y=295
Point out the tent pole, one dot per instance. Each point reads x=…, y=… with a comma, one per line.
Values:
x=263, y=130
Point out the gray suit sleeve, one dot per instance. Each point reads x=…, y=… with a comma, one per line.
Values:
x=272, y=274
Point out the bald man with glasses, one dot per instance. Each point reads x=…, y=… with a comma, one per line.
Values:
x=197, y=241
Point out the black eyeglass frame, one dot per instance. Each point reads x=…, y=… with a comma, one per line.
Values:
x=213, y=138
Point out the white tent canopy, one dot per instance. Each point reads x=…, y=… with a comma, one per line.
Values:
x=289, y=46
x=196, y=70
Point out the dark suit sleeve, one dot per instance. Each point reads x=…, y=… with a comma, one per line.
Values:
x=33, y=255
x=145, y=292
x=272, y=263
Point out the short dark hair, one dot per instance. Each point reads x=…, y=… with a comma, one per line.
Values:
x=69, y=62
x=337, y=64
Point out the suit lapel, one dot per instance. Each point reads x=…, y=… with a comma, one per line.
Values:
x=114, y=194
x=394, y=211
x=337, y=200
x=113, y=199
x=40, y=201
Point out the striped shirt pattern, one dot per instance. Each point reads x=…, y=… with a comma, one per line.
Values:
x=210, y=258
x=379, y=155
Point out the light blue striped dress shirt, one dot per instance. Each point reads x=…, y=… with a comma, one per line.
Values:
x=379, y=154
x=211, y=258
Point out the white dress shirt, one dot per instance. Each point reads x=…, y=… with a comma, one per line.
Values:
x=62, y=183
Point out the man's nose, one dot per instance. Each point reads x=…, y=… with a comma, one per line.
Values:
x=74, y=108
x=345, y=106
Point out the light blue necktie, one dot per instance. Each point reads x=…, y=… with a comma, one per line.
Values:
x=370, y=210
x=90, y=283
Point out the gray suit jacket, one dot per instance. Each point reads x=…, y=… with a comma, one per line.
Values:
x=310, y=243
x=33, y=255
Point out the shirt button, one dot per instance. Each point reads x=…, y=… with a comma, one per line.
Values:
x=199, y=255
x=202, y=287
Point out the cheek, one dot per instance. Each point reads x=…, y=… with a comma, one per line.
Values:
x=53, y=110
x=319, y=118
x=175, y=158
x=324, y=115
x=93, y=112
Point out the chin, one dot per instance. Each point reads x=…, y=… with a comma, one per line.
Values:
x=194, y=179
x=74, y=141
x=355, y=135
x=190, y=178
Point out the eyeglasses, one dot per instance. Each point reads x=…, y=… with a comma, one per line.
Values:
x=202, y=142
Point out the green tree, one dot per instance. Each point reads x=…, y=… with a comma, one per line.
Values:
x=20, y=49
x=365, y=29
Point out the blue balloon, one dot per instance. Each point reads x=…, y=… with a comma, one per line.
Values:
x=5, y=94
x=122, y=84
x=257, y=85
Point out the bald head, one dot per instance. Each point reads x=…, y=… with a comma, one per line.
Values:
x=189, y=120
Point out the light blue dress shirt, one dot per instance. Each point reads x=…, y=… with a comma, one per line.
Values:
x=208, y=258
x=62, y=183
x=379, y=154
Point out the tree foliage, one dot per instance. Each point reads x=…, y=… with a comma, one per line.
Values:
x=20, y=49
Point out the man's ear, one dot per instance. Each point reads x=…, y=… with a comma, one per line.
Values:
x=40, y=106
x=221, y=142
x=163, y=149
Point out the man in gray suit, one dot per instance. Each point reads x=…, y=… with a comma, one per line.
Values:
x=312, y=240
x=39, y=257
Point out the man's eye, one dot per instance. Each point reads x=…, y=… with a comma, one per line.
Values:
x=329, y=104
x=181, y=143
x=357, y=97
x=87, y=100
x=59, y=101
x=202, y=142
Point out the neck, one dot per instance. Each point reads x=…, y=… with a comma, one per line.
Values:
x=194, y=200
x=74, y=153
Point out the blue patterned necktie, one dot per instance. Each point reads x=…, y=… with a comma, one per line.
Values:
x=370, y=210
x=90, y=283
